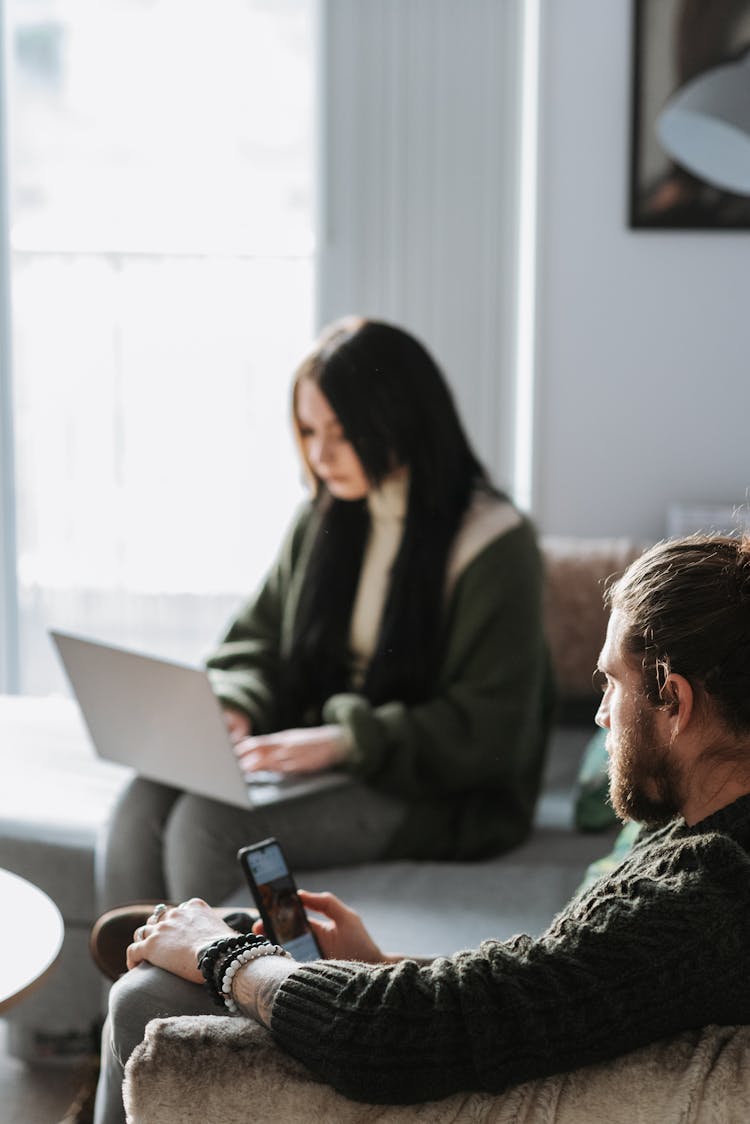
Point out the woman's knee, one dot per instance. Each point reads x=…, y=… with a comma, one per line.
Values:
x=128, y=858
x=200, y=847
x=142, y=804
x=196, y=819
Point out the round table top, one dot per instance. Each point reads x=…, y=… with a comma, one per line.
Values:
x=31, y=935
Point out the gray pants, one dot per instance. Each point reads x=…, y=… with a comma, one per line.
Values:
x=143, y=994
x=163, y=844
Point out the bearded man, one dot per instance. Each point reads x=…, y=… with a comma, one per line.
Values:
x=656, y=947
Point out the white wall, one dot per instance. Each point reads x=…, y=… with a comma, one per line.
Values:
x=643, y=338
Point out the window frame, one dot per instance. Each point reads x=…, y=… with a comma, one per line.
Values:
x=9, y=626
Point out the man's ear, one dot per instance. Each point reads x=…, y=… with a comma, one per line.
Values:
x=679, y=700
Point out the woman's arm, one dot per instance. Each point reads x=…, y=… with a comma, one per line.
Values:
x=244, y=669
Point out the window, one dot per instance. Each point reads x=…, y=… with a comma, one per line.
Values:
x=162, y=270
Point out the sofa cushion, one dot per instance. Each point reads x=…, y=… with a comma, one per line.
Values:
x=592, y=810
x=576, y=574
x=607, y=863
x=55, y=797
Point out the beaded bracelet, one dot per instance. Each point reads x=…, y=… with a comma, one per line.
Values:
x=225, y=959
x=242, y=957
x=218, y=953
x=210, y=952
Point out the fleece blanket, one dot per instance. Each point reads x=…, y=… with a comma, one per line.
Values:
x=198, y=1070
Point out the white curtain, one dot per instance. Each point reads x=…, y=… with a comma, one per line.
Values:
x=420, y=127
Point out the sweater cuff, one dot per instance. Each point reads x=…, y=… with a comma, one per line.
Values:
x=227, y=692
x=362, y=729
x=306, y=1005
x=232, y=694
x=346, y=741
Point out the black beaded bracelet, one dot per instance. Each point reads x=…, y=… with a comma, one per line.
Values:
x=212, y=950
x=226, y=958
x=214, y=959
x=208, y=956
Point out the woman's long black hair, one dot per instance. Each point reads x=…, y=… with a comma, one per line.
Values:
x=396, y=410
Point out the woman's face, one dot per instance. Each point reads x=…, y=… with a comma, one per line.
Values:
x=325, y=446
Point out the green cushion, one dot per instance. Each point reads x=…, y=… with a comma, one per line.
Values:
x=607, y=864
x=592, y=810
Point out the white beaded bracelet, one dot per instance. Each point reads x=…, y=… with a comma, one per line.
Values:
x=238, y=961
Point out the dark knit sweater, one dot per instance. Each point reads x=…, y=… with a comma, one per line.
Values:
x=659, y=946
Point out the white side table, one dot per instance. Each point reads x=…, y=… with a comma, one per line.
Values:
x=55, y=796
x=30, y=938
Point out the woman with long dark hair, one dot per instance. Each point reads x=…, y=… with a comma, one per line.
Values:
x=397, y=639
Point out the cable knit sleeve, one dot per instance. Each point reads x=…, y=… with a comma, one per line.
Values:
x=656, y=948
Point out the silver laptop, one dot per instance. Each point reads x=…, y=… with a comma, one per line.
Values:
x=162, y=719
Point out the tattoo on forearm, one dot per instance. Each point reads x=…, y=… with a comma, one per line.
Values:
x=264, y=998
x=256, y=987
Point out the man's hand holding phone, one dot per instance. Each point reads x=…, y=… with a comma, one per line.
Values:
x=340, y=931
x=337, y=933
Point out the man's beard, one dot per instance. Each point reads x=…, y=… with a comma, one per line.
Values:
x=646, y=782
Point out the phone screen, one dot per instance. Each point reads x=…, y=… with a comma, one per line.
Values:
x=276, y=896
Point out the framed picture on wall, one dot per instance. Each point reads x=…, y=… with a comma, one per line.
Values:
x=674, y=41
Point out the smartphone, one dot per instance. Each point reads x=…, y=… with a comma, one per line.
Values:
x=274, y=891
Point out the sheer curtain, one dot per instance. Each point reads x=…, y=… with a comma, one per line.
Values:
x=161, y=257
x=421, y=114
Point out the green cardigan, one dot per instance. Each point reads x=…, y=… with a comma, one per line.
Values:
x=468, y=761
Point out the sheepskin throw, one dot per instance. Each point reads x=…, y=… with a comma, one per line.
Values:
x=206, y=1070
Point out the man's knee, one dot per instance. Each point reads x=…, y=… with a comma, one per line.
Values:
x=137, y=997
